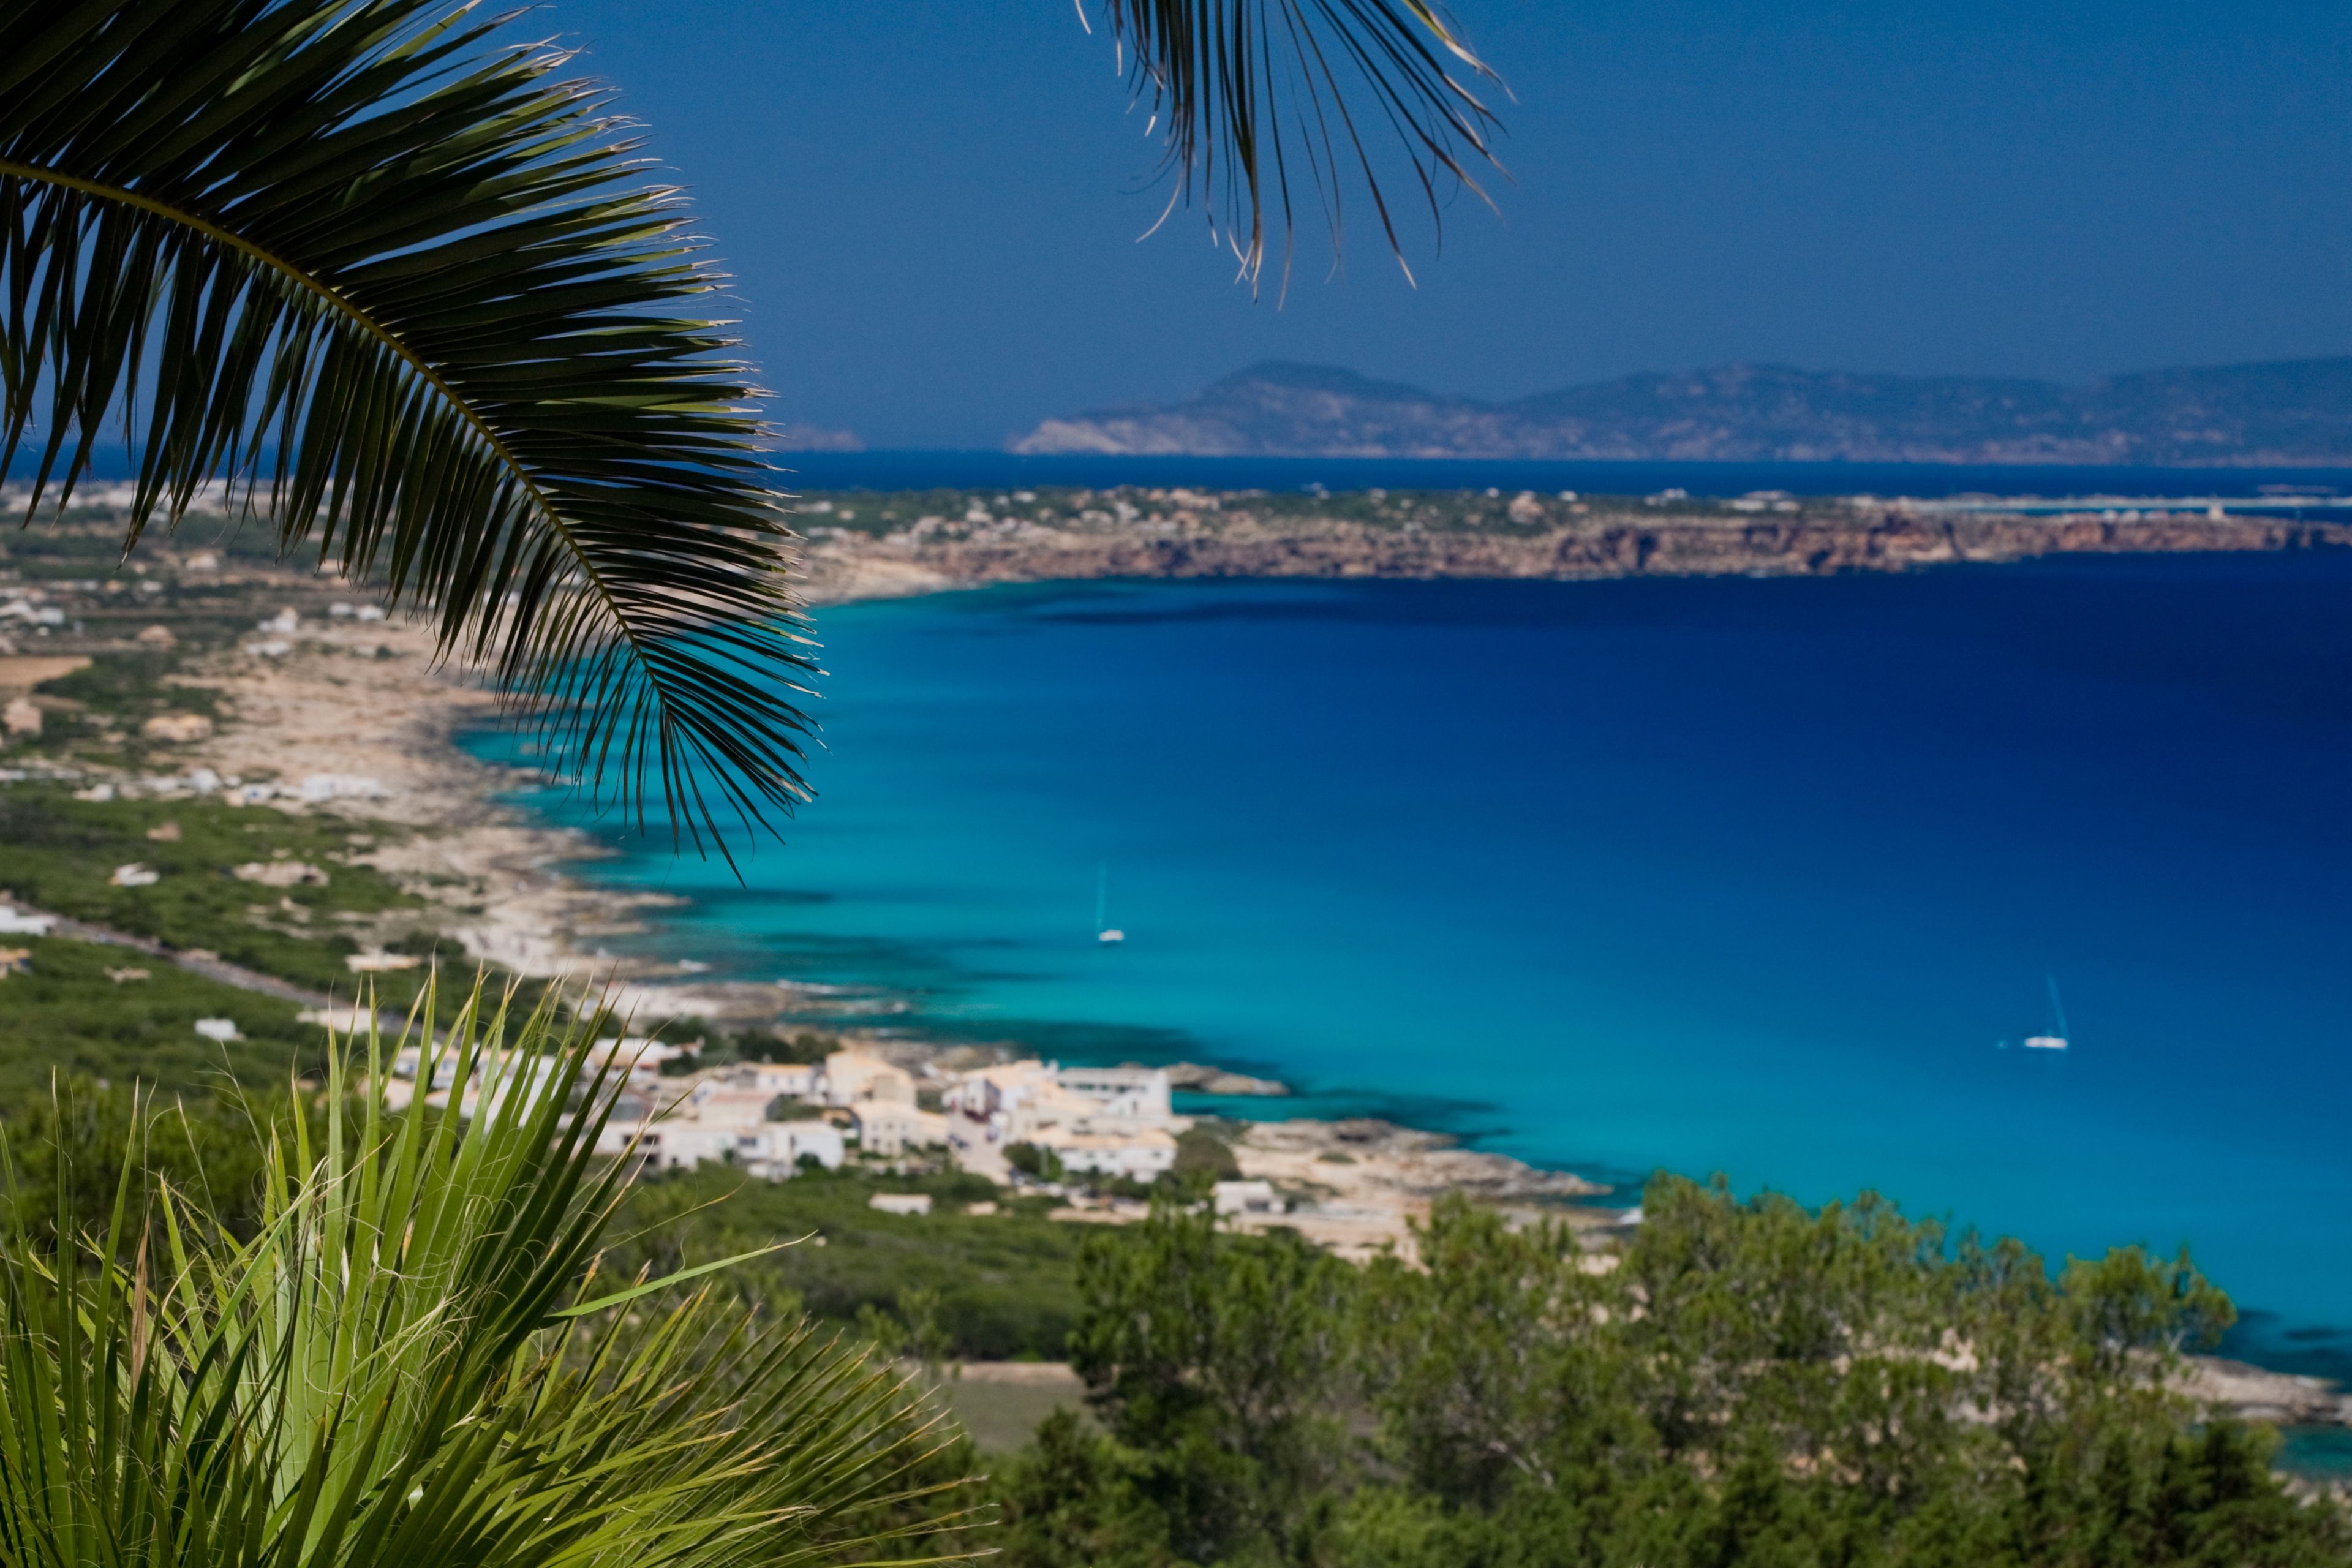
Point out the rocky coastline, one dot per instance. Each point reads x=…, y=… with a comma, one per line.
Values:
x=1178, y=534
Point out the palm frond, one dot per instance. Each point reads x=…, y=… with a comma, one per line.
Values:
x=388, y=1373
x=1248, y=85
x=408, y=289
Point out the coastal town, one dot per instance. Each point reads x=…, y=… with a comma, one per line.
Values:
x=1096, y=1140
x=768, y=1118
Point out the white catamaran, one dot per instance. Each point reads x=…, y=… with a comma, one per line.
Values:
x=2054, y=1037
x=1102, y=901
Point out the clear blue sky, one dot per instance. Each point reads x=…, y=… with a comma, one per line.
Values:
x=931, y=205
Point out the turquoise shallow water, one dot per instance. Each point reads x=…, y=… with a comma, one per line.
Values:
x=1747, y=876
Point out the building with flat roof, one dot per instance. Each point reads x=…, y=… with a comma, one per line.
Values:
x=851, y=1076
x=1130, y=1093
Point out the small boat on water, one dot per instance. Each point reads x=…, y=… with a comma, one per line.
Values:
x=1102, y=899
x=2053, y=1038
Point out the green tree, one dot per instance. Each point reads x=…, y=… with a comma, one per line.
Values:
x=1218, y=1356
x=1744, y=1383
x=381, y=266
x=1466, y=1356
x=1202, y=1160
x=1033, y=1160
x=1075, y=1498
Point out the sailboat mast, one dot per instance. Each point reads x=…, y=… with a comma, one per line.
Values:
x=2057, y=1011
x=1102, y=893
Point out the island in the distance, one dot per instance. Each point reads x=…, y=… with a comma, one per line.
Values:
x=2284, y=414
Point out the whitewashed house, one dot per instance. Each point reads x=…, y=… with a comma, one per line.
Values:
x=771, y=1078
x=1139, y=1154
x=1131, y=1094
x=637, y=1057
x=851, y=1076
x=887, y=1128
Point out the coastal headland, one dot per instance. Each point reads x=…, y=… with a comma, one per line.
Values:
x=203, y=677
x=869, y=545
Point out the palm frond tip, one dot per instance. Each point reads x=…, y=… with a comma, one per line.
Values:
x=407, y=287
x=1248, y=85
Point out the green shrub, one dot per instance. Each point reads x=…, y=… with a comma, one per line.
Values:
x=411, y=1358
x=1203, y=1157
x=1007, y=1282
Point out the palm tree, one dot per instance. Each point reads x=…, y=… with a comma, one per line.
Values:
x=382, y=269
x=404, y=1367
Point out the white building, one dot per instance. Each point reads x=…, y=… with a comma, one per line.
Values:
x=851, y=1076
x=692, y=1135
x=712, y=1099
x=1133, y=1094
x=1139, y=1153
x=1246, y=1198
x=1112, y=1121
x=772, y=1078
x=639, y=1057
x=887, y=1128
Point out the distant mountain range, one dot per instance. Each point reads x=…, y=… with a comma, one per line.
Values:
x=2283, y=414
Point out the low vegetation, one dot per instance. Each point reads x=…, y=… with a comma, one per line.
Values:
x=289, y=895
x=1001, y=1285
x=115, y=1016
x=956, y=513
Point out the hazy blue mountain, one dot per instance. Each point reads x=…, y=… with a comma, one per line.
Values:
x=2286, y=412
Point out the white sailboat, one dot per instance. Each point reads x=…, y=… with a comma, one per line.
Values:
x=2054, y=1038
x=1102, y=901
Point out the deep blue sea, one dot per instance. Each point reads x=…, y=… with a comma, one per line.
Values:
x=1735, y=875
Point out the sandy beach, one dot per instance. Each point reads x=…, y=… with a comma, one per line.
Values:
x=327, y=696
x=366, y=702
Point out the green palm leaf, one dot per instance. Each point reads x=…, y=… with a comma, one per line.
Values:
x=404, y=286
x=1246, y=86
x=389, y=1374
x=407, y=287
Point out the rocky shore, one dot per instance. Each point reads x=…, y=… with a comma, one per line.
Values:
x=1202, y=1079
x=1181, y=534
x=1359, y=1186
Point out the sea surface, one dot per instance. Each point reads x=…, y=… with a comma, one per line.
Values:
x=1744, y=876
